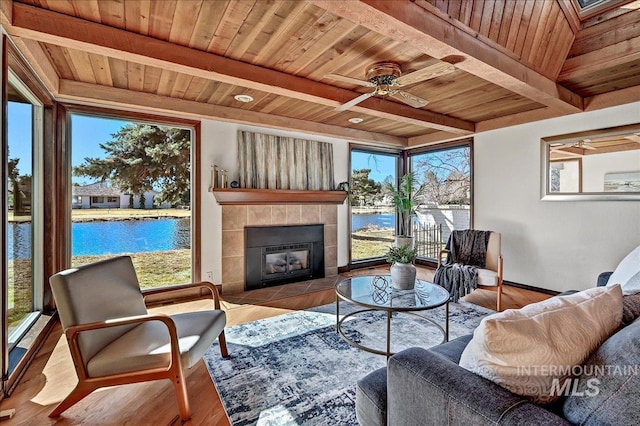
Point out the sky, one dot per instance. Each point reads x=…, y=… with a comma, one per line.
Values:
x=381, y=165
x=86, y=135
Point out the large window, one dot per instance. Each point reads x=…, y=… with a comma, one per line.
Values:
x=131, y=194
x=373, y=218
x=446, y=204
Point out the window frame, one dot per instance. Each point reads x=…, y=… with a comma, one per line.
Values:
x=143, y=118
x=400, y=166
x=459, y=143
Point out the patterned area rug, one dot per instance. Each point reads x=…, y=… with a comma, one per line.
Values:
x=294, y=369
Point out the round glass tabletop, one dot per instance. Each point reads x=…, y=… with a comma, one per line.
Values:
x=376, y=291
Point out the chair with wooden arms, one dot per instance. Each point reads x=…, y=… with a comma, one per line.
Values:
x=489, y=277
x=114, y=340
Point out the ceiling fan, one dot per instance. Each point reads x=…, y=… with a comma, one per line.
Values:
x=386, y=79
x=635, y=137
x=581, y=144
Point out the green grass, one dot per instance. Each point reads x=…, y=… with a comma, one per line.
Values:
x=370, y=243
x=154, y=269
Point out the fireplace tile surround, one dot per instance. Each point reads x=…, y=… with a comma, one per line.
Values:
x=236, y=217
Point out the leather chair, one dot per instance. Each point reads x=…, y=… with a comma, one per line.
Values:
x=490, y=277
x=114, y=340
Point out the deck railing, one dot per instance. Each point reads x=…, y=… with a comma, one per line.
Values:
x=428, y=239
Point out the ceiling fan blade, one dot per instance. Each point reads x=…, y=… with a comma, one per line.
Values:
x=355, y=101
x=409, y=99
x=350, y=80
x=433, y=71
x=634, y=137
x=587, y=146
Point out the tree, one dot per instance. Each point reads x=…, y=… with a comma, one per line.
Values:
x=446, y=176
x=19, y=188
x=364, y=190
x=141, y=157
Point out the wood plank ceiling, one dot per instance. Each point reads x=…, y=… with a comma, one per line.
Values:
x=516, y=61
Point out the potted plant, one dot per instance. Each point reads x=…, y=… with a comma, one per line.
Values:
x=406, y=199
x=403, y=273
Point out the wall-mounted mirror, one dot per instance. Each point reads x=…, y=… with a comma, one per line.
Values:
x=593, y=165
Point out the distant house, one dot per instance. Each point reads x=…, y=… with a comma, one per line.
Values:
x=101, y=195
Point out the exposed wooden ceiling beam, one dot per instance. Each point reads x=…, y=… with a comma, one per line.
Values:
x=405, y=21
x=609, y=99
x=431, y=138
x=516, y=119
x=607, y=57
x=77, y=92
x=62, y=30
x=39, y=61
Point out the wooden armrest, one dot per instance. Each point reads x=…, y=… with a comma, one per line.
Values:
x=202, y=284
x=74, y=331
x=443, y=251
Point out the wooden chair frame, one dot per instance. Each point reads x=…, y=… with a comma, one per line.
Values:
x=173, y=371
x=496, y=288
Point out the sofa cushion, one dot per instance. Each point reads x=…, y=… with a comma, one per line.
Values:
x=371, y=398
x=627, y=273
x=531, y=350
x=608, y=390
x=452, y=350
x=487, y=277
x=630, y=308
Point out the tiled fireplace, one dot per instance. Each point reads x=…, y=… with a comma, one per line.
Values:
x=235, y=218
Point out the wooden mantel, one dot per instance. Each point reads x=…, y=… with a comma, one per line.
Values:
x=276, y=196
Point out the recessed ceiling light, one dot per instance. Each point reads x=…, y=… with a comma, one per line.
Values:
x=243, y=98
x=356, y=120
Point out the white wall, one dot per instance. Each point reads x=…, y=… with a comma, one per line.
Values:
x=595, y=167
x=219, y=147
x=557, y=245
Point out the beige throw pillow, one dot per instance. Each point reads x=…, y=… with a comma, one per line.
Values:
x=533, y=350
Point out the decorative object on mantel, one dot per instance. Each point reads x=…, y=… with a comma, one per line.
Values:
x=278, y=162
x=214, y=177
x=245, y=196
x=235, y=184
x=403, y=273
x=223, y=178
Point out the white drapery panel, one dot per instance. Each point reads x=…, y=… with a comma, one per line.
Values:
x=277, y=162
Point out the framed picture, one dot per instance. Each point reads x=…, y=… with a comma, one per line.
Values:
x=622, y=182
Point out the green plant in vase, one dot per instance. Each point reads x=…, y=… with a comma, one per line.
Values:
x=407, y=198
x=403, y=273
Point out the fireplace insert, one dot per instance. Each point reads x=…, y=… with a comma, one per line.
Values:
x=283, y=254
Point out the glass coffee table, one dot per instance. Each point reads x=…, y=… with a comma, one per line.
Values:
x=375, y=293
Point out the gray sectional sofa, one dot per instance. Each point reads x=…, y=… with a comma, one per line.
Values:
x=427, y=387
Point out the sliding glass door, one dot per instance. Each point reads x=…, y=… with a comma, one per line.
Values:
x=23, y=224
x=373, y=217
x=446, y=204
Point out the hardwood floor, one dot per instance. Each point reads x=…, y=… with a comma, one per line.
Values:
x=51, y=376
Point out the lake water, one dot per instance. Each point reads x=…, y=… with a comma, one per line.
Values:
x=110, y=237
x=359, y=221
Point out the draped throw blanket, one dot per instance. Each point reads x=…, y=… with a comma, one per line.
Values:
x=277, y=162
x=467, y=252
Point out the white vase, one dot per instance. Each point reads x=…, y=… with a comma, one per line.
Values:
x=402, y=240
x=403, y=276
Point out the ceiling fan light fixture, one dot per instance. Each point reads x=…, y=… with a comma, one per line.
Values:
x=243, y=98
x=356, y=120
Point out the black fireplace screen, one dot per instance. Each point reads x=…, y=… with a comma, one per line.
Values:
x=286, y=259
x=282, y=254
